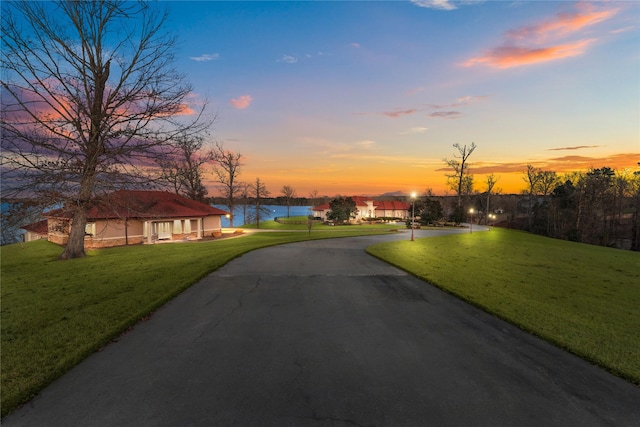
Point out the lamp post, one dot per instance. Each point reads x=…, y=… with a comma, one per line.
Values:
x=413, y=212
x=471, y=224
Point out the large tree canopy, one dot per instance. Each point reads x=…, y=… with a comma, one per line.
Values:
x=89, y=99
x=429, y=210
x=341, y=209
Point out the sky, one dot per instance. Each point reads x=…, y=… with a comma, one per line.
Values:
x=368, y=97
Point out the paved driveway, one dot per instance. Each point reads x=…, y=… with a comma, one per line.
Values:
x=321, y=334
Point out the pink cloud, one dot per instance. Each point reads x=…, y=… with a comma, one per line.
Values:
x=564, y=23
x=184, y=110
x=514, y=56
x=466, y=100
x=544, y=41
x=241, y=102
x=446, y=115
x=396, y=114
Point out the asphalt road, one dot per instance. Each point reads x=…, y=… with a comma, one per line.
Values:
x=321, y=334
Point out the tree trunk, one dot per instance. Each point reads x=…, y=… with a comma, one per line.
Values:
x=230, y=205
x=95, y=148
x=257, y=212
x=75, y=245
x=488, y=209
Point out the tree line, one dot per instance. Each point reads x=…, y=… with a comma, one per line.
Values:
x=600, y=206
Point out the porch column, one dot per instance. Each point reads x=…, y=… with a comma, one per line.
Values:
x=149, y=226
x=200, y=227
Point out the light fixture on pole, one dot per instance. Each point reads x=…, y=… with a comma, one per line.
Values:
x=471, y=224
x=413, y=212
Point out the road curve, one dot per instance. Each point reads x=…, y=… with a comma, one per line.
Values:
x=319, y=333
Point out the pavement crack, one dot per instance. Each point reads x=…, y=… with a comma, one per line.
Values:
x=239, y=305
x=255, y=286
x=345, y=421
x=212, y=300
x=299, y=363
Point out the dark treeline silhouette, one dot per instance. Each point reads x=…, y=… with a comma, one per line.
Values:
x=300, y=201
x=279, y=200
x=599, y=207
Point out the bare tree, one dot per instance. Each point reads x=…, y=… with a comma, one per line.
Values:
x=491, y=183
x=245, y=193
x=547, y=181
x=89, y=95
x=184, y=169
x=532, y=178
x=259, y=192
x=227, y=169
x=622, y=182
x=596, y=206
x=539, y=183
x=634, y=188
x=289, y=193
x=460, y=181
x=313, y=197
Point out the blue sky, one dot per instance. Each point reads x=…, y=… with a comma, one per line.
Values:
x=365, y=97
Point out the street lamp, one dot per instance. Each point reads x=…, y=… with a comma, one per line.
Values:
x=413, y=212
x=471, y=224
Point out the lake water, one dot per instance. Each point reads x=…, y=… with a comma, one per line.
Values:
x=273, y=212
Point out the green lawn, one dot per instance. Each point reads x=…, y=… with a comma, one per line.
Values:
x=56, y=313
x=317, y=226
x=583, y=298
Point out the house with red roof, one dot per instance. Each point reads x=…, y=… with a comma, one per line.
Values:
x=129, y=217
x=35, y=231
x=367, y=208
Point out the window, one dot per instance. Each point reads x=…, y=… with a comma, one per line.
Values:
x=90, y=229
x=164, y=230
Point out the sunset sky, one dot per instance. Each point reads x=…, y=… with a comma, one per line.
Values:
x=368, y=97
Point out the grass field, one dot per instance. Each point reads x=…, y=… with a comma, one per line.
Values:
x=583, y=298
x=56, y=313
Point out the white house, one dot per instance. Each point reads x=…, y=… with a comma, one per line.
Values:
x=367, y=208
